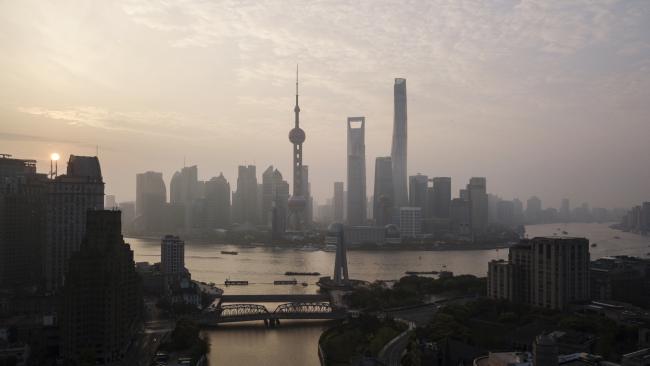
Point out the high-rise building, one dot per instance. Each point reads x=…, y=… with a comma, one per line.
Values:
x=549, y=272
x=308, y=212
x=356, y=171
x=518, y=210
x=493, y=208
x=533, y=210
x=184, y=192
x=383, y=193
x=418, y=185
x=274, y=197
x=172, y=255
x=559, y=271
x=280, y=209
x=338, y=202
x=244, y=200
x=399, y=145
x=441, y=197
x=478, y=203
x=23, y=200
x=565, y=210
x=410, y=221
x=459, y=216
x=150, y=199
x=70, y=197
x=101, y=305
x=217, y=202
x=270, y=178
x=506, y=213
x=297, y=202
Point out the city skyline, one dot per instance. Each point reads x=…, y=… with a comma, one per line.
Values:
x=174, y=192
x=462, y=112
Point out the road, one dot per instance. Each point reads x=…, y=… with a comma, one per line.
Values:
x=148, y=339
x=420, y=316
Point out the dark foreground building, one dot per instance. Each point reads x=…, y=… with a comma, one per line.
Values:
x=550, y=272
x=101, y=299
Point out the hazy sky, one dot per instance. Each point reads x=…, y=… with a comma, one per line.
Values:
x=542, y=97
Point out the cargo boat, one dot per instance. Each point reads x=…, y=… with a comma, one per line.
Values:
x=236, y=283
x=421, y=272
x=230, y=252
x=290, y=273
x=285, y=282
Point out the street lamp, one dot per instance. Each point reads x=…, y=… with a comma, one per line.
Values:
x=54, y=165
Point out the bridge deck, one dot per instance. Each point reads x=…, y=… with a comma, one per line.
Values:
x=275, y=298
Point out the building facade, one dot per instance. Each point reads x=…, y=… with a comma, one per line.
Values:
x=70, y=197
x=383, y=192
x=244, y=200
x=23, y=202
x=172, y=255
x=441, y=197
x=356, y=171
x=478, y=202
x=101, y=305
x=217, y=202
x=399, y=144
x=418, y=191
x=410, y=221
x=150, y=199
x=550, y=272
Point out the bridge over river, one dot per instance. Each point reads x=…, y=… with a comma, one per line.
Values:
x=242, y=308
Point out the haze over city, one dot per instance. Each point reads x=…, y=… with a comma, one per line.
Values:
x=519, y=92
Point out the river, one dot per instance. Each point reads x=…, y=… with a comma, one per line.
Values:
x=296, y=343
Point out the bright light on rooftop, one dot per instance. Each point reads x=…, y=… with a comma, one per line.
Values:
x=55, y=156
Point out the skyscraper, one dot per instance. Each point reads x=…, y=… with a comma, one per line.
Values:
x=150, y=199
x=478, y=203
x=217, y=202
x=183, y=191
x=101, y=305
x=565, y=210
x=269, y=179
x=506, y=213
x=441, y=196
x=280, y=209
x=418, y=191
x=245, y=198
x=297, y=202
x=383, y=196
x=23, y=199
x=274, y=197
x=356, y=171
x=399, y=146
x=70, y=197
x=533, y=210
x=339, y=202
x=308, y=212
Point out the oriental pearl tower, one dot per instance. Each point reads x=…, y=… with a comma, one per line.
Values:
x=297, y=202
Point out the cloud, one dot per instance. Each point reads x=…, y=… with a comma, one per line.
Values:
x=48, y=139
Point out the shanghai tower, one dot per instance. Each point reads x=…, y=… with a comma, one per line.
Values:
x=398, y=150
